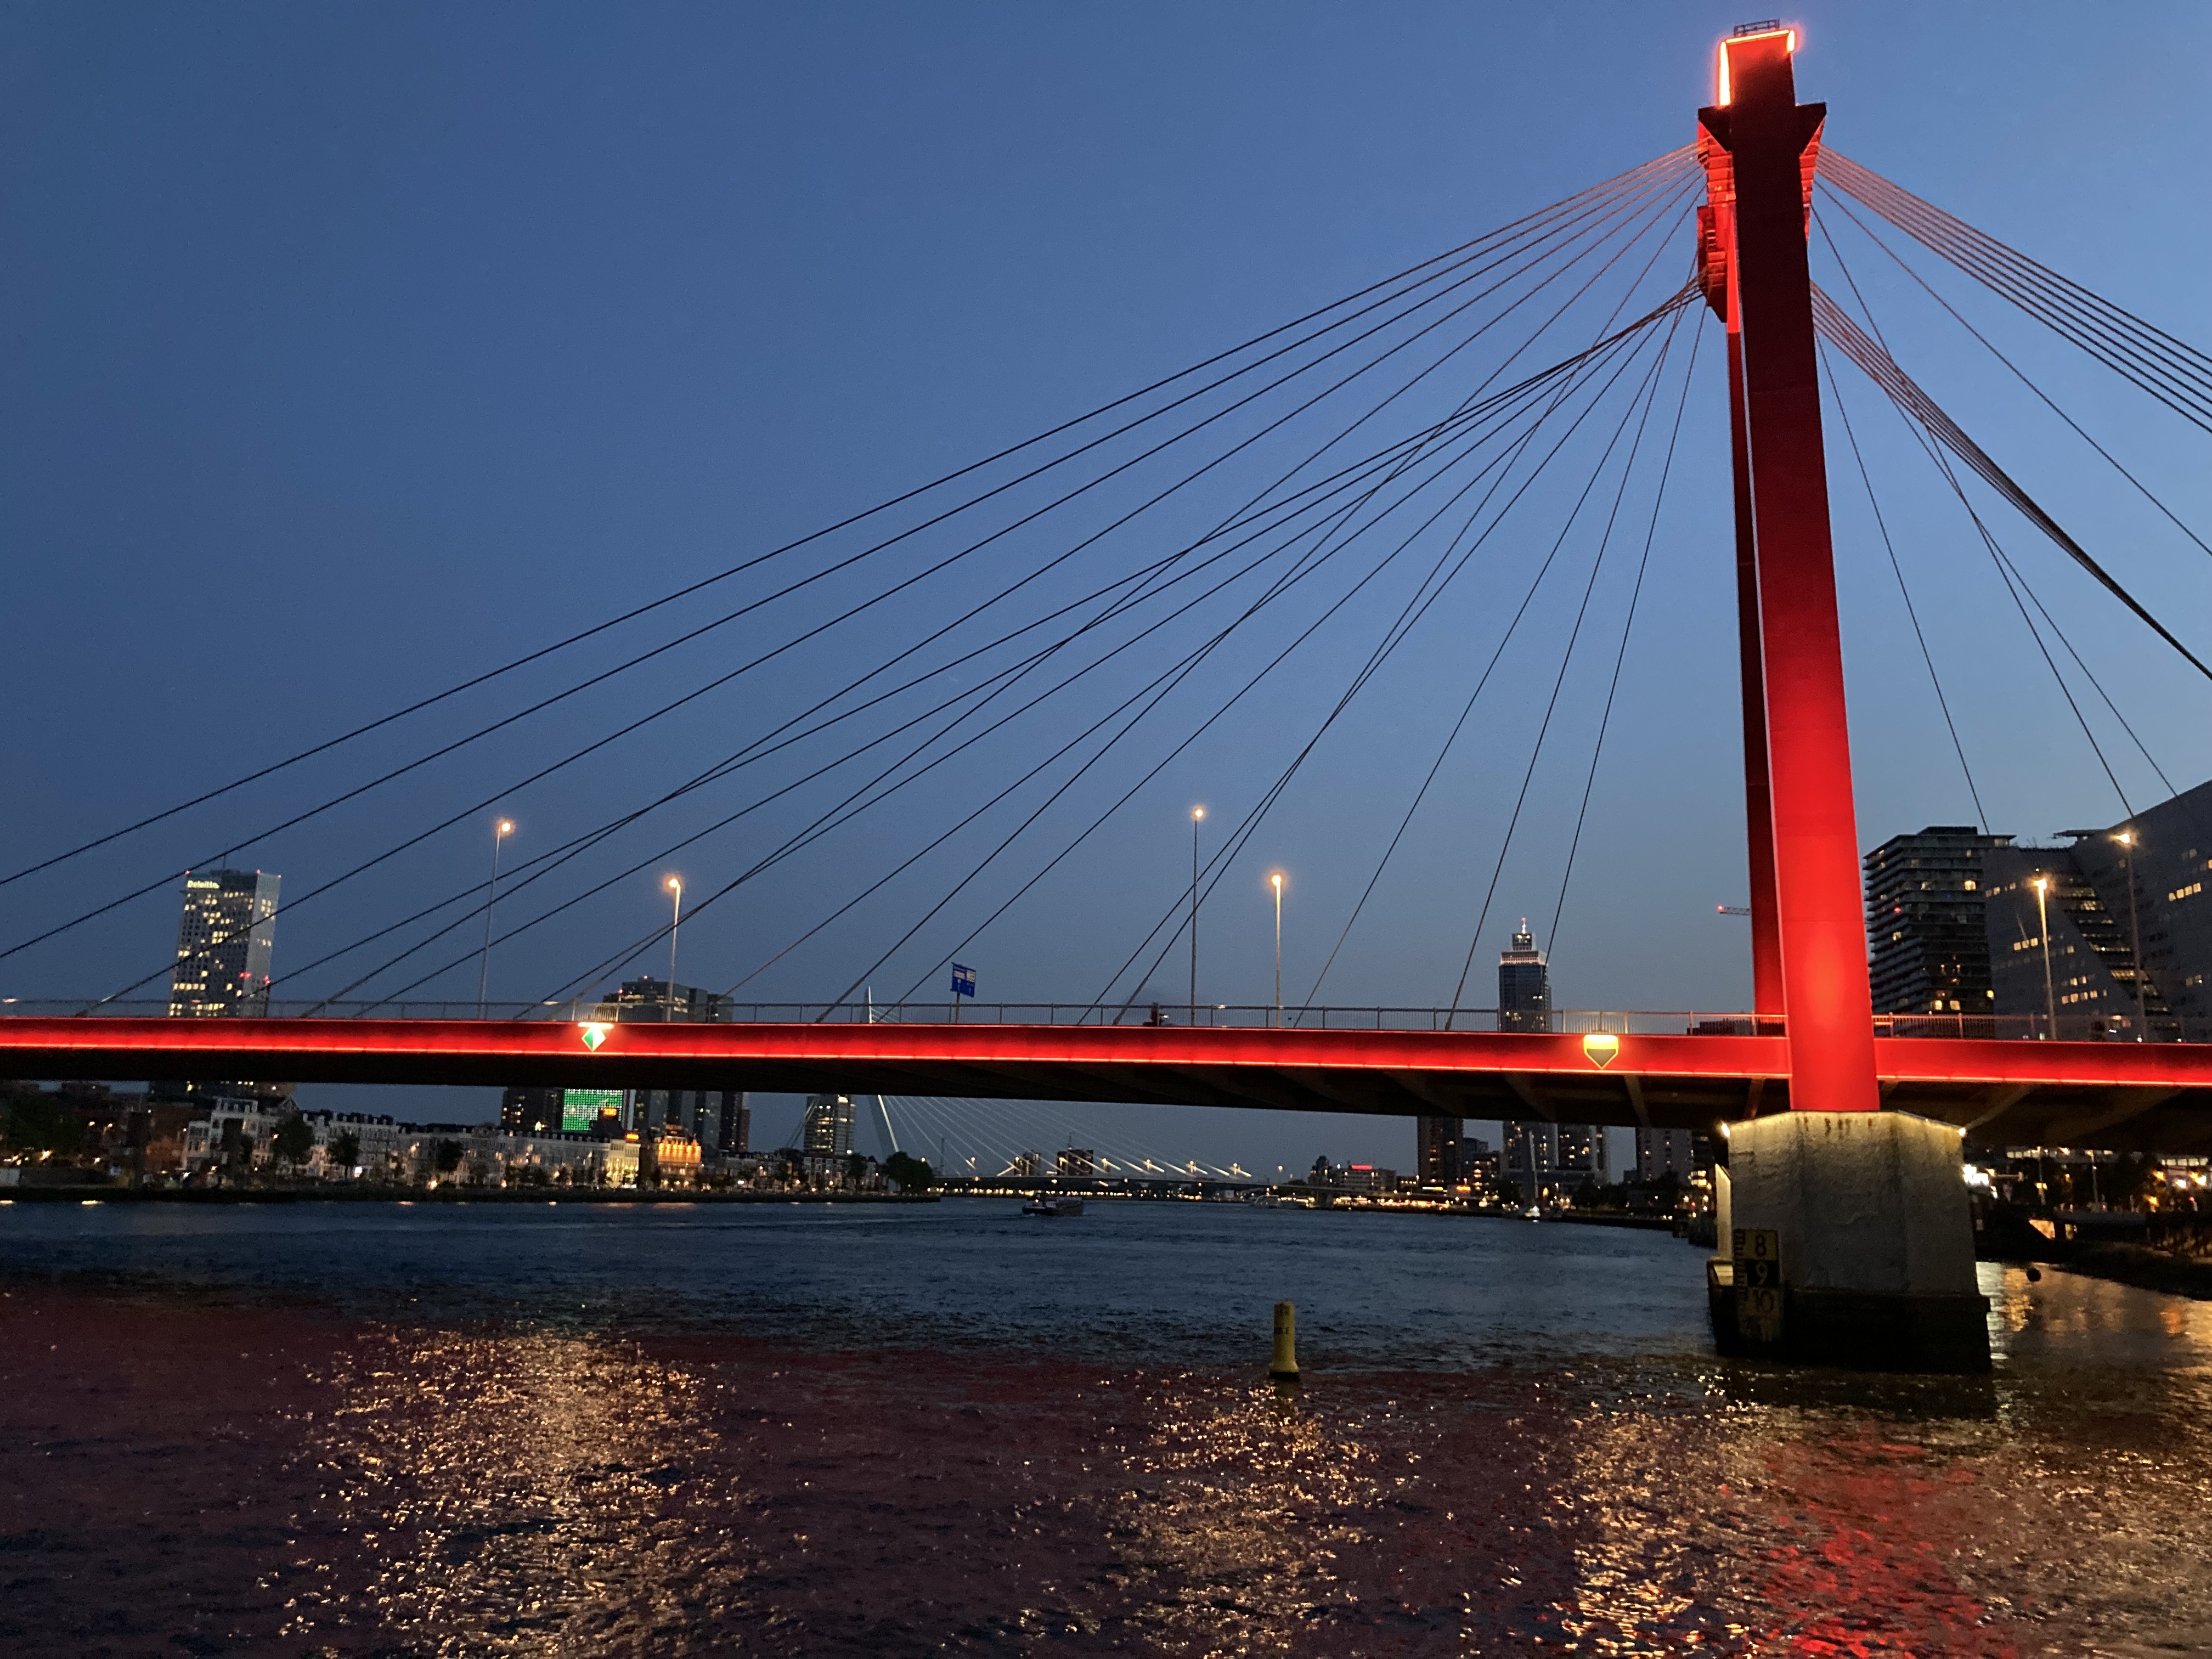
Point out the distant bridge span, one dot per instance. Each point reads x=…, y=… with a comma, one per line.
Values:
x=2119, y=1095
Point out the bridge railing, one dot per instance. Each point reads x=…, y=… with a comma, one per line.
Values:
x=2073, y=1028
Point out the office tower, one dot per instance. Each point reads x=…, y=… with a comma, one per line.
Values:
x=1929, y=946
x=733, y=1125
x=827, y=1125
x=530, y=1112
x=649, y=999
x=1524, y=985
x=224, y=942
x=719, y=1120
x=1541, y=1159
x=1438, y=1146
x=1663, y=1152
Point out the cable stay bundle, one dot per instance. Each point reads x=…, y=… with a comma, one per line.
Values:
x=1839, y=331
x=2170, y=370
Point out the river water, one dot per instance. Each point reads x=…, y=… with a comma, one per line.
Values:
x=947, y=1429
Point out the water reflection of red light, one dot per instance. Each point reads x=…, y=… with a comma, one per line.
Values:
x=381, y=1487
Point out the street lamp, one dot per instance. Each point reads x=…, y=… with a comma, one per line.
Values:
x=1197, y=817
x=675, y=920
x=2042, y=886
x=2127, y=840
x=499, y=835
x=1275, y=881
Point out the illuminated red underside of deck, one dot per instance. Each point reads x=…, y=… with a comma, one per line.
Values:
x=2112, y=1094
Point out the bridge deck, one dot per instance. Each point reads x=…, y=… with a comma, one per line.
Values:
x=2124, y=1096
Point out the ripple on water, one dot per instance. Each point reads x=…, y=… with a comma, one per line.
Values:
x=210, y=1453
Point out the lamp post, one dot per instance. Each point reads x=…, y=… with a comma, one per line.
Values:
x=499, y=835
x=1275, y=881
x=2042, y=886
x=1197, y=817
x=2127, y=840
x=675, y=920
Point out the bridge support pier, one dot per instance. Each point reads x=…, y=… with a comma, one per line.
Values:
x=1851, y=1244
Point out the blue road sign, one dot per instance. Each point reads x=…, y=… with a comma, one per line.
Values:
x=964, y=980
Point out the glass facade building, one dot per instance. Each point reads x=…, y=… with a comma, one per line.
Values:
x=225, y=939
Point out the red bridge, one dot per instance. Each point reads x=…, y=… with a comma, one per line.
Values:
x=2119, y=1095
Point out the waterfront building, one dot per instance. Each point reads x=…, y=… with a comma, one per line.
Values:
x=719, y=1120
x=226, y=937
x=2161, y=871
x=238, y=1134
x=1663, y=1152
x=1077, y=1164
x=2088, y=978
x=2137, y=886
x=827, y=1129
x=1366, y=1179
x=1437, y=1143
x=530, y=1111
x=1479, y=1168
x=1582, y=1156
x=1928, y=943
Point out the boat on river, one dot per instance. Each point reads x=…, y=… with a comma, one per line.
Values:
x=1052, y=1204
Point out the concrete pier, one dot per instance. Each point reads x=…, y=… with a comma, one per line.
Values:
x=1849, y=1241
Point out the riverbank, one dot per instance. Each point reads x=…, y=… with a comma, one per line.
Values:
x=359, y=1193
x=2145, y=1268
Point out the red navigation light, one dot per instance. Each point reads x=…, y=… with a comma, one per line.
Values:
x=1789, y=45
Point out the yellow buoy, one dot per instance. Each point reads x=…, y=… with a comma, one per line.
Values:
x=1284, y=1368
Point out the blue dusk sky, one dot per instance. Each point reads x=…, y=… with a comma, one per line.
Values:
x=349, y=351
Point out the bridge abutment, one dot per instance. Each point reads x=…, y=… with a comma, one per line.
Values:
x=1850, y=1244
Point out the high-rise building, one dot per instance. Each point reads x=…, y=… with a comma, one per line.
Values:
x=530, y=1112
x=225, y=939
x=1541, y=1159
x=1663, y=1152
x=828, y=1126
x=2153, y=884
x=1928, y=948
x=719, y=1120
x=1524, y=985
x=1437, y=1146
x=2135, y=888
x=1477, y=1166
x=2088, y=977
x=1077, y=1164
x=1582, y=1156
x=649, y=999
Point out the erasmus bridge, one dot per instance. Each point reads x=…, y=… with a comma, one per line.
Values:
x=1506, y=415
